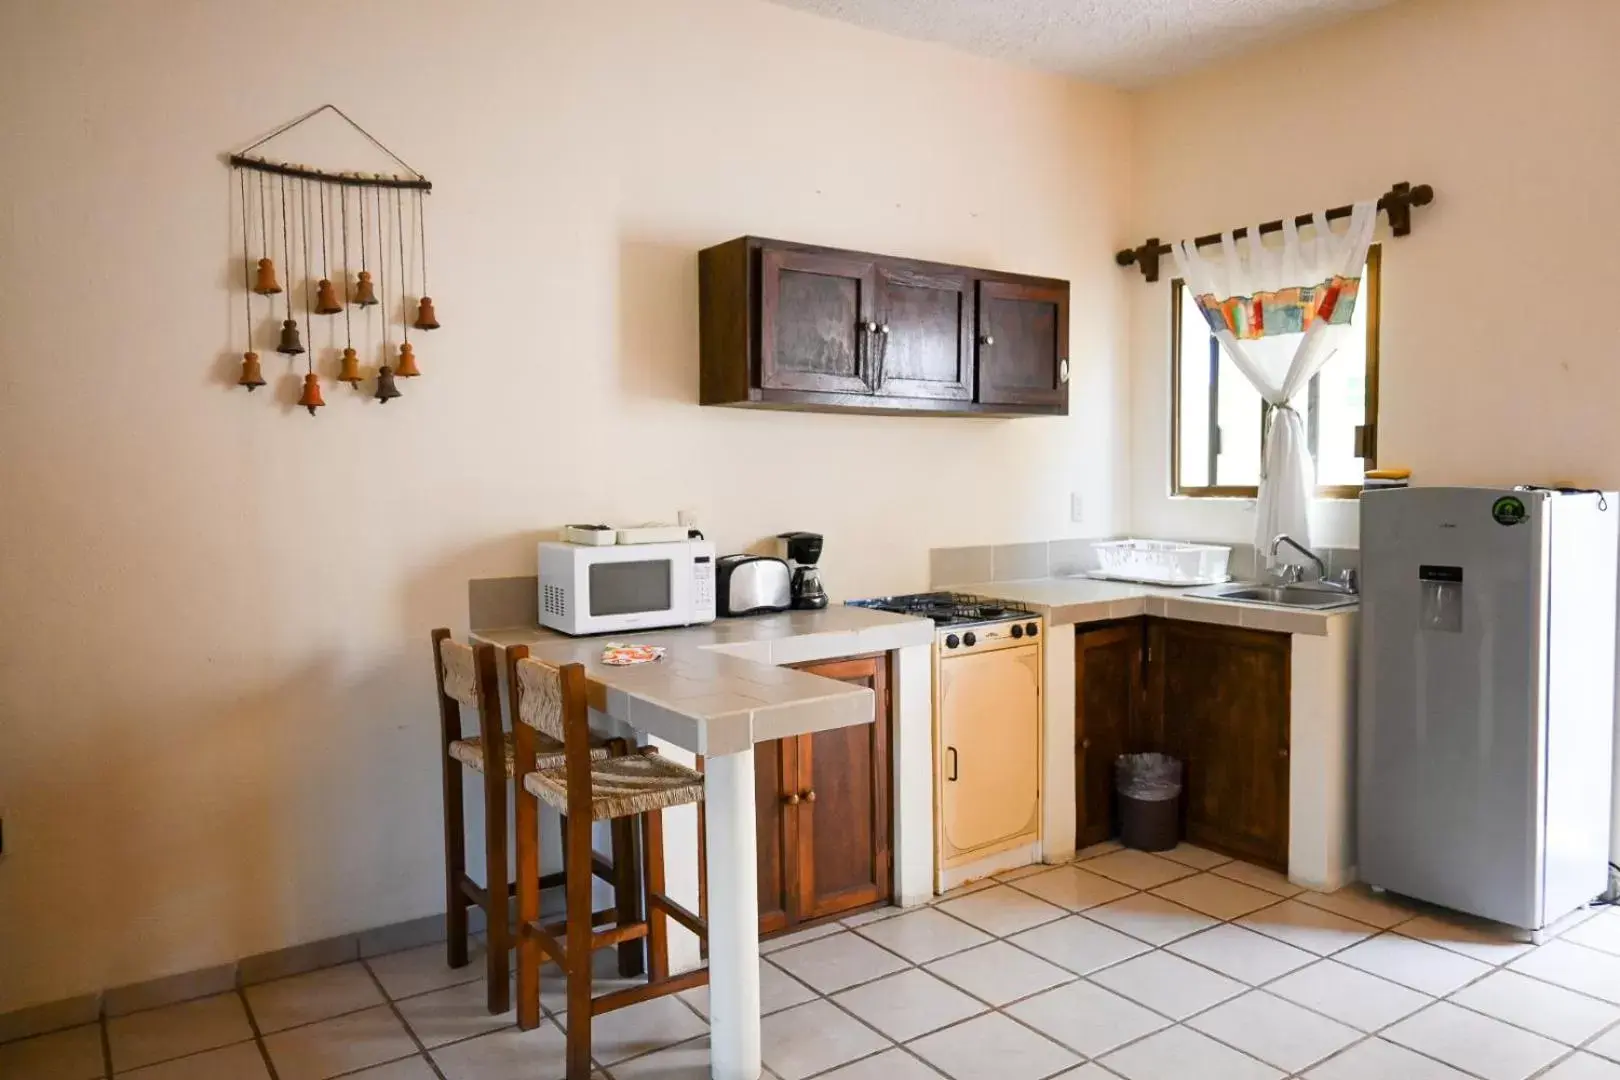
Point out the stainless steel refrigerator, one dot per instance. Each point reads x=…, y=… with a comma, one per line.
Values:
x=1486, y=705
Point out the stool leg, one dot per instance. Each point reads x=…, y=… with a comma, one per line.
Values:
x=626, y=893
x=455, y=866
x=526, y=812
x=498, y=913
x=652, y=853
x=579, y=964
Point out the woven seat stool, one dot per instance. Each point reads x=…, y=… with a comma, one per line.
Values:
x=623, y=788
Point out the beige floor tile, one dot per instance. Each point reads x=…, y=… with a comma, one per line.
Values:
x=1180, y=1053
x=508, y=1054
x=1086, y=1018
x=74, y=1054
x=1078, y=944
x=992, y=1047
x=875, y=915
x=1073, y=888
x=1087, y=1072
x=890, y=1065
x=1352, y=997
x=1168, y=984
x=1153, y=919
x=835, y=963
x=1489, y=943
x=1260, y=877
x=999, y=973
x=640, y=1029
x=452, y=1014
x=924, y=935
x=1583, y=1067
x=605, y=978
x=1601, y=933
x=1474, y=1043
x=144, y=1038
x=1376, y=1059
x=777, y=991
x=1548, y=1010
x=1607, y=1044
x=908, y=1004
x=1243, y=954
x=1361, y=904
x=799, y=937
x=417, y=971
x=1107, y=847
x=813, y=1038
x=1002, y=910
x=242, y=1061
x=1138, y=869
x=1573, y=967
x=1022, y=872
x=686, y=1061
x=1277, y=1032
x=318, y=995
x=965, y=890
x=1416, y=964
x=1196, y=857
x=340, y=1045
x=413, y=1068
x=1310, y=928
x=1215, y=896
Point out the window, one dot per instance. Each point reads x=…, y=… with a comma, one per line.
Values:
x=1217, y=416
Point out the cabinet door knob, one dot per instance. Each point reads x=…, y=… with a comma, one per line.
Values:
x=871, y=327
x=1085, y=744
x=1283, y=752
x=987, y=340
x=884, y=329
x=792, y=800
x=810, y=796
x=1063, y=370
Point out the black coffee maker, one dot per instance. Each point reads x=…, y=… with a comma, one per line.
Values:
x=803, y=550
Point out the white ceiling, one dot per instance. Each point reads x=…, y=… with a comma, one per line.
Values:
x=1124, y=42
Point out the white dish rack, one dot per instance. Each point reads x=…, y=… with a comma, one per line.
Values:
x=1161, y=562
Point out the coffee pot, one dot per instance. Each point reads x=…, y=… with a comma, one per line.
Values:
x=803, y=551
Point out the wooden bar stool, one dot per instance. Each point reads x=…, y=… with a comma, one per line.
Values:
x=640, y=784
x=466, y=676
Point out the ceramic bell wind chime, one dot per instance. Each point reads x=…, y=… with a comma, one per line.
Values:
x=386, y=209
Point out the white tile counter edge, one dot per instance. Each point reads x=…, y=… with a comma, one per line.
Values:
x=1080, y=600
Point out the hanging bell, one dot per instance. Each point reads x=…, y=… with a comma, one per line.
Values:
x=386, y=390
x=326, y=299
x=425, y=318
x=252, y=377
x=311, y=397
x=406, y=368
x=267, y=285
x=290, y=342
x=349, y=369
x=364, y=294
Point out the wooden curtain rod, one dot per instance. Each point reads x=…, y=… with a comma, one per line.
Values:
x=1397, y=203
x=353, y=179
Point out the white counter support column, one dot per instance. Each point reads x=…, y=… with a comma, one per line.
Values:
x=1322, y=757
x=912, y=678
x=1057, y=746
x=734, y=1039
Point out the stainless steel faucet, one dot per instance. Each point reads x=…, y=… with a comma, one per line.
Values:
x=1345, y=582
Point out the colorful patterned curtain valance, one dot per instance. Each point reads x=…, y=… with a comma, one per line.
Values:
x=1283, y=311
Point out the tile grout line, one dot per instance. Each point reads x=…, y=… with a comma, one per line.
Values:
x=393, y=1008
x=258, y=1036
x=106, y=1045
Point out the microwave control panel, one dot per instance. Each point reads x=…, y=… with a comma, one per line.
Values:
x=703, y=588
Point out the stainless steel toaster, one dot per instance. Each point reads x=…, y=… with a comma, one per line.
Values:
x=748, y=584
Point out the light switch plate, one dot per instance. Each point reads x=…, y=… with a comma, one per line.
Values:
x=1075, y=513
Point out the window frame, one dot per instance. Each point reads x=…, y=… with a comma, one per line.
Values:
x=1371, y=297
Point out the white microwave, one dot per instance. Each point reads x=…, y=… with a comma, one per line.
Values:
x=603, y=590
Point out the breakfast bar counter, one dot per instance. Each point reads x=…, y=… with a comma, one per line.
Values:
x=719, y=689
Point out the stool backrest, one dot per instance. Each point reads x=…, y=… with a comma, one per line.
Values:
x=458, y=671
x=466, y=675
x=539, y=697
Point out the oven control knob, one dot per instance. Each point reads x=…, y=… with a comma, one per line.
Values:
x=952, y=641
x=1032, y=629
x=968, y=638
x=1017, y=631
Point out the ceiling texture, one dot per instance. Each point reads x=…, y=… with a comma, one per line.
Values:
x=1126, y=43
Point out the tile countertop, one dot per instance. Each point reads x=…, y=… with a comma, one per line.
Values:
x=1064, y=600
x=720, y=687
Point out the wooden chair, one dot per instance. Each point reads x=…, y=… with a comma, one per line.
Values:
x=466, y=676
x=639, y=784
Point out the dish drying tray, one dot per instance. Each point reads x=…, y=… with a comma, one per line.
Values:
x=1161, y=562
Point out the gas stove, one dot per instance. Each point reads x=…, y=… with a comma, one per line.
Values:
x=962, y=620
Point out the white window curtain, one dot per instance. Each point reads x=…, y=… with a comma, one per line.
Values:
x=1280, y=314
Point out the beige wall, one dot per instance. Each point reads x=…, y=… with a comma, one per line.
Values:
x=1499, y=355
x=216, y=729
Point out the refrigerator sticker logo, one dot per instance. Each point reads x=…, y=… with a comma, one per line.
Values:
x=1508, y=510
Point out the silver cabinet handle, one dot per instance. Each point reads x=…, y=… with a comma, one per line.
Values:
x=871, y=327
x=987, y=340
x=884, y=329
x=1063, y=370
x=951, y=750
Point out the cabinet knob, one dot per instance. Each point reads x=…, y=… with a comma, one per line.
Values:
x=792, y=800
x=1085, y=744
x=810, y=796
x=884, y=329
x=871, y=327
x=987, y=340
x=1283, y=752
x=1063, y=369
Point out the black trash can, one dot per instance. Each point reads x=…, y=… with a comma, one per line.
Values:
x=1149, y=789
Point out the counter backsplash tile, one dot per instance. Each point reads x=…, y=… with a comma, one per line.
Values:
x=1016, y=562
x=1340, y=559
x=498, y=603
x=958, y=566
x=1071, y=557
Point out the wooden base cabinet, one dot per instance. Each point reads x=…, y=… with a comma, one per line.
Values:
x=824, y=811
x=1217, y=697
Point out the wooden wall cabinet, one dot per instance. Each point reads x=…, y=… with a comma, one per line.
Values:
x=823, y=803
x=792, y=326
x=1217, y=697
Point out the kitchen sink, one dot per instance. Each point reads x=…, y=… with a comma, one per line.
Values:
x=1298, y=596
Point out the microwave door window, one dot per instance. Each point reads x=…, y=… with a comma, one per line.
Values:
x=631, y=588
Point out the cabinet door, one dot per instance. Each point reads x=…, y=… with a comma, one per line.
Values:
x=989, y=770
x=925, y=344
x=1107, y=696
x=776, y=773
x=843, y=845
x=817, y=314
x=1223, y=693
x=1023, y=343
